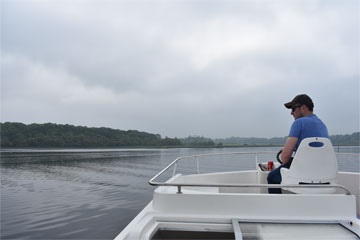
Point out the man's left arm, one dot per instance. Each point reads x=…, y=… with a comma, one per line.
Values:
x=288, y=149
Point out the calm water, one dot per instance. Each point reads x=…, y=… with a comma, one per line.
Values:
x=94, y=194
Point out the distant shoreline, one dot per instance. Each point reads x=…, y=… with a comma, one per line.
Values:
x=50, y=135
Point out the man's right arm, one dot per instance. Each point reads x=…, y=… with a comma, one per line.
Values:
x=288, y=149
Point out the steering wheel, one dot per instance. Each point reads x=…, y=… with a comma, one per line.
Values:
x=278, y=156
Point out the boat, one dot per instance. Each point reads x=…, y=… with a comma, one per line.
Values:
x=237, y=205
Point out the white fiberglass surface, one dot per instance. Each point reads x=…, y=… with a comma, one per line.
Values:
x=254, y=231
x=269, y=231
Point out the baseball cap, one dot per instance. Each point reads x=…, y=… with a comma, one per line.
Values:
x=301, y=99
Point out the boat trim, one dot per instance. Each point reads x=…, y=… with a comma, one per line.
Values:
x=180, y=185
x=237, y=230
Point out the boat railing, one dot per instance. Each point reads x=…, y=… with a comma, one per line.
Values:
x=198, y=156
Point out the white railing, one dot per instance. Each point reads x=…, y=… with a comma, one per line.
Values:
x=197, y=157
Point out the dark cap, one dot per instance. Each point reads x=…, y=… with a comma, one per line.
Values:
x=301, y=99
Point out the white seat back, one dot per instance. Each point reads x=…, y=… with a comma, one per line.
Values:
x=314, y=162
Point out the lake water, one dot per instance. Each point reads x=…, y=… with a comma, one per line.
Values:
x=94, y=194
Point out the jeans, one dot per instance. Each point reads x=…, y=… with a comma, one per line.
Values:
x=274, y=177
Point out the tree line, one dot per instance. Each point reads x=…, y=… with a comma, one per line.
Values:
x=61, y=136
x=343, y=140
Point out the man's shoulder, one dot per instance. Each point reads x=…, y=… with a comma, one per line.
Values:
x=305, y=120
x=302, y=119
x=309, y=118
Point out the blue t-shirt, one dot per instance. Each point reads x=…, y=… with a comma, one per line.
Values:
x=305, y=127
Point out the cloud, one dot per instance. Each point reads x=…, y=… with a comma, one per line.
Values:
x=35, y=80
x=214, y=68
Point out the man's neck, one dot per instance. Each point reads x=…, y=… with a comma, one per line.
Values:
x=306, y=114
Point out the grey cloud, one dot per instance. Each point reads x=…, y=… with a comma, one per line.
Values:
x=179, y=68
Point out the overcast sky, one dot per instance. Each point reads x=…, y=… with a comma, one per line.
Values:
x=178, y=68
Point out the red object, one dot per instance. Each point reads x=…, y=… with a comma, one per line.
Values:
x=270, y=166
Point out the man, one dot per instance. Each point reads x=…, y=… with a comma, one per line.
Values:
x=306, y=125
